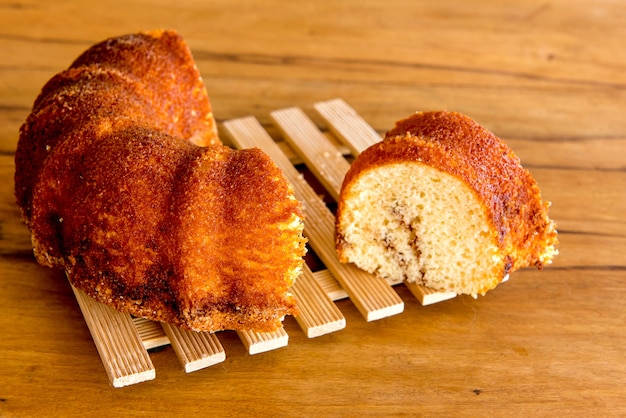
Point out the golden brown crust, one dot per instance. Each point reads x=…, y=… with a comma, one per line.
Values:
x=149, y=76
x=206, y=238
x=55, y=115
x=457, y=145
x=250, y=247
x=162, y=63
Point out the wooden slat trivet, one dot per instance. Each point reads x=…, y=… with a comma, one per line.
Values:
x=374, y=298
x=123, y=341
x=357, y=135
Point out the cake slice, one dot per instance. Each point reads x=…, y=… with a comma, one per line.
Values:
x=444, y=203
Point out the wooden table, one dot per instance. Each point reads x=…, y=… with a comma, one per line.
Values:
x=547, y=77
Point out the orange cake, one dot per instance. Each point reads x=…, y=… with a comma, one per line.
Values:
x=444, y=203
x=124, y=183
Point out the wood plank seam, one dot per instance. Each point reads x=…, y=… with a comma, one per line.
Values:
x=195, y=350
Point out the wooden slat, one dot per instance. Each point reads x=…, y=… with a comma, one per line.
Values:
x=151, y=333
x=121, y=350
x=357, y=135
x=426, y=295
x=260, y=342
x=195, y=350
x=319, y=154
x=330, y=285
x=347, y=125
x=374, y=298
x=318, y=313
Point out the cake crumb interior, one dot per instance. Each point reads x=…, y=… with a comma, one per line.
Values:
x=416, y=223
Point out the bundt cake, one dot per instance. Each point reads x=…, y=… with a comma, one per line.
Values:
x=123, y=182
x=444, y=203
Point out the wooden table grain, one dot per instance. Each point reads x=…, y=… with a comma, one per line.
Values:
x=547, y=77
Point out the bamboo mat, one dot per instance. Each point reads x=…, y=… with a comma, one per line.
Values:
x=123, y=342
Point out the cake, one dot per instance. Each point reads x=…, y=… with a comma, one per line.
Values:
x=124, y=183
x=444, y=203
